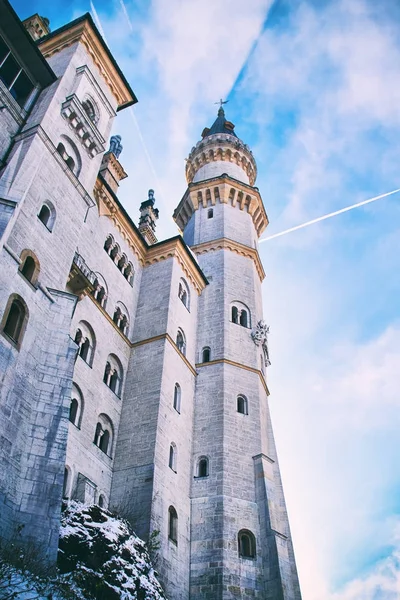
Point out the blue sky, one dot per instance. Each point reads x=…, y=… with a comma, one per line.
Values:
x=314, y=89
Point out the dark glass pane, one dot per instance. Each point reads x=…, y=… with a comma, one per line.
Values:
x=4, y=50
x=28, y=269
x=14, y=321
x=9, y=70
x=22, y=88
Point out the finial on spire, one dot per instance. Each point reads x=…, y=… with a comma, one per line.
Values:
x=221, y=111
x=115, y=145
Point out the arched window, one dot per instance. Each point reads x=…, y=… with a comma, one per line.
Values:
x=121, y=318
x=129, y=273
x=47, y=215
x=113, y=374
x=240, y=314
x=108, y=244
x=206, y=354
x=73, y=410
x=121, y=263
x=104, y=434
x=69, y=153
x=242, y=406
x=172, y=462
x=202, y=467
x=102, y=501
x=76, y=406
x=15, y=319
x=210, y=213
x=181, y=342
x=183, y=293
x=114, y=252
x=173, y=524
x=86, y=340
x=246, y=544
x=100, y=291
x=177, y=398
x=29, y=266
x=85, y=350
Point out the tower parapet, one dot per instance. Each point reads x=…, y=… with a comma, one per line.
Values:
x=221, y=151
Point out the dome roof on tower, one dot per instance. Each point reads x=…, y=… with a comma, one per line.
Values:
x=220, y=125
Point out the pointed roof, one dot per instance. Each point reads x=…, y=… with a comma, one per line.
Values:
x=220, y=125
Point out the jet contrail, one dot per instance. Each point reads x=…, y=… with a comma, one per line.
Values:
x=126, y=14
x=96, y=19
x=328, y=216
x=146, y=152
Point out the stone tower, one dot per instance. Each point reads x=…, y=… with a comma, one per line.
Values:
x=240, y=544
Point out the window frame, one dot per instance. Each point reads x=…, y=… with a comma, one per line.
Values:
x=22, y=328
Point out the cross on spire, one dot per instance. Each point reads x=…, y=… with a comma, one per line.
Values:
x=221, y=102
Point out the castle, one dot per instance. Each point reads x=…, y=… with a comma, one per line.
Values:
x=132, y=371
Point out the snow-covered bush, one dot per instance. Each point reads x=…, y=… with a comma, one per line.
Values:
x=103, y=557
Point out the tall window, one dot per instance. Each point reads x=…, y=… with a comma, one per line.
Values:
x=246, y=544
x=240, y=314
x=183, y=293
x=172, y=462
x=47, y=215
x=66, y=482
x=103, y=434
x=15, y=319
x=177, y=398
x=181, y=342
x=113, y=374
x=210, y=213
x=121, y=318
x=13, y=76
x=206, y=354
x=242, y=406
x=73, y=410
x=202, y=467
x=173, y=524
x=86, y=341
x=29, y=266
x=76, y=406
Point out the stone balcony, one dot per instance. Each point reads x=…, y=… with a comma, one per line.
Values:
x=81, y=279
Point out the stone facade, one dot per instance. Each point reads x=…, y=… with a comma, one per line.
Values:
x=129, y=376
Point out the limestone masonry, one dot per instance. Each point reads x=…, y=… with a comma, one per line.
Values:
x=132, y=371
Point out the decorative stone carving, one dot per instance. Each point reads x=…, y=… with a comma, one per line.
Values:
x=260, y=338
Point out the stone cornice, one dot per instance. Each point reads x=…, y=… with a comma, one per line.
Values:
x=174, y=248
x=223, y=189
x=147, y=255
x=227, y=244
x=240, y=366
x=83, y=31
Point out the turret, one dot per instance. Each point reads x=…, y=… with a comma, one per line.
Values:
x=148, y=218
x=110, y=168
x=221, y=169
